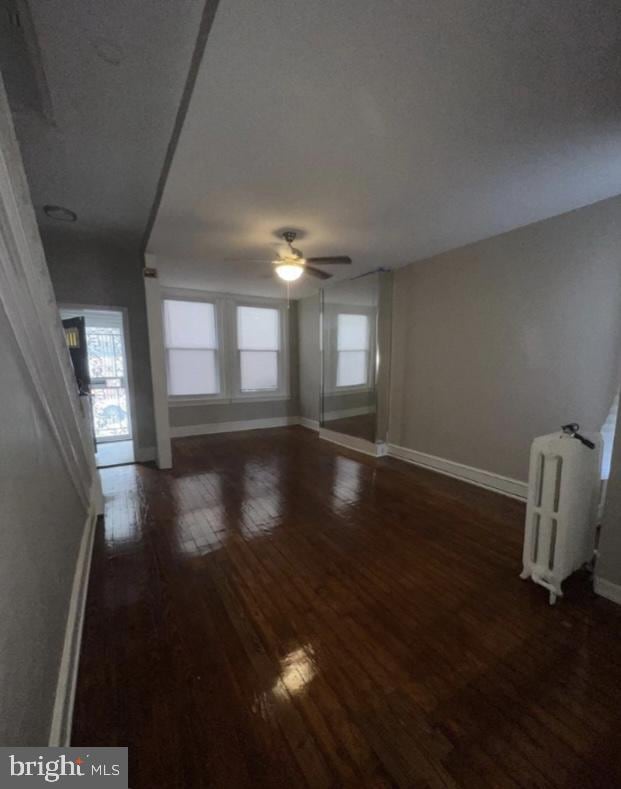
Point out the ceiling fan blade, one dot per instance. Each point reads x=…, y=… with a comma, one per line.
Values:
x=315, y=272
x=333, y=259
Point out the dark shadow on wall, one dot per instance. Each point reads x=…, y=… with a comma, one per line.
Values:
x=88, y=269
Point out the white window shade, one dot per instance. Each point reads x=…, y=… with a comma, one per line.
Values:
x=192, y=372
x=258, y=329
x=259, y=371
x=190, y=324
x=352, y=368
x=352, y=332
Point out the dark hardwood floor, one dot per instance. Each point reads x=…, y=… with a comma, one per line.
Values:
x=277, y=612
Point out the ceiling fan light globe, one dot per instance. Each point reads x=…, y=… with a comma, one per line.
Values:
x=289, y=272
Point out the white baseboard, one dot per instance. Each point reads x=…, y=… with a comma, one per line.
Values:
x=344, y=413
x=145, y=454
x=608, y=590
x=476, y=476
x=352, y=442
x=62, y=715
x=311, y=424
x=233, y=427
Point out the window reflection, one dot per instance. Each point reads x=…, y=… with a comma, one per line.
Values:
x=297, y=669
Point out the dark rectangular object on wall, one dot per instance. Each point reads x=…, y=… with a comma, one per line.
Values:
x=75, y=333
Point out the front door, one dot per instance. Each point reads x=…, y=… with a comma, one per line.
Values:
x=105, y=343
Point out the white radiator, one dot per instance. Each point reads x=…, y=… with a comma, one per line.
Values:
x=563, y=495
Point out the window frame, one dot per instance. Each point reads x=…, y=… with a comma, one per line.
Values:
x=204, y=298
x=225, y=305
x=282, y=390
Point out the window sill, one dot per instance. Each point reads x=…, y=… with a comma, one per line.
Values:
x=182, y=403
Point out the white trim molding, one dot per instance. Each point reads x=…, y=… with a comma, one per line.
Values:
x=233, y=427
x=62, y=714
x=484, y=479
x=607, y=589
x=311, y=424
x=157, y=355
x=375, y=450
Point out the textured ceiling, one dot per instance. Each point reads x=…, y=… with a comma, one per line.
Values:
x=386, y=130
x=115, y=71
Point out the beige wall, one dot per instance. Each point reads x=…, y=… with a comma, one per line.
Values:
x=506, y=339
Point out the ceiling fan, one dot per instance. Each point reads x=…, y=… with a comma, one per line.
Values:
x=291, y=264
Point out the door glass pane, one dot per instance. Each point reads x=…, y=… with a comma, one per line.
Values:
x=110, y=411
x=351, y=368
x=105, y=352
x=259, y=371
x=192, y=373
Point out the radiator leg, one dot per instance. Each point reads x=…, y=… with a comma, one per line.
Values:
x=525, y=574
x=552, y=598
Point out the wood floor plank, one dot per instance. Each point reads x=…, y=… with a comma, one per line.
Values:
x=277, y=611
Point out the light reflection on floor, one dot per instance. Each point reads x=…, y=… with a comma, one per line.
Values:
x=297, y=669
x=347, y=485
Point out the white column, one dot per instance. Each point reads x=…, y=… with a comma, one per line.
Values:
x=157, y=353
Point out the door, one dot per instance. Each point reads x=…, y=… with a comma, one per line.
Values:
x=107, y=367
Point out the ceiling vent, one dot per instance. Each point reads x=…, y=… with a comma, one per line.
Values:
x=20, y=61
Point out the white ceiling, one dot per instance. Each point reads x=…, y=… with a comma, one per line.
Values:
x=388, y=131
x=115, y=70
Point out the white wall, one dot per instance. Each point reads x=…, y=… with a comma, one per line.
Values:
x=41, y=522
x=47, y=468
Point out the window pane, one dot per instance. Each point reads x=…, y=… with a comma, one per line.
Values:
x=351, y=368
x=189, y=324
x=192, y=373
x=352, y=332
x=259, y=370
x=110, y=412
x=257, y=329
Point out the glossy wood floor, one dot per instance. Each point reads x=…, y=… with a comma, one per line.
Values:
x=277, y=612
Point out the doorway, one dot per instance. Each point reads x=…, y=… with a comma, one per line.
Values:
x=106, y=343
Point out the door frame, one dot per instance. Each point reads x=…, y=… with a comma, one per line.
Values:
x=128, y=360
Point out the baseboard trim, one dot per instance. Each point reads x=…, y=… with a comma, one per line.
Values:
x=607, y=589
x=345, y=413
x=311, y=424
x=352, y=442
x=62, y=715
x=233, y=427
x=476, y=476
